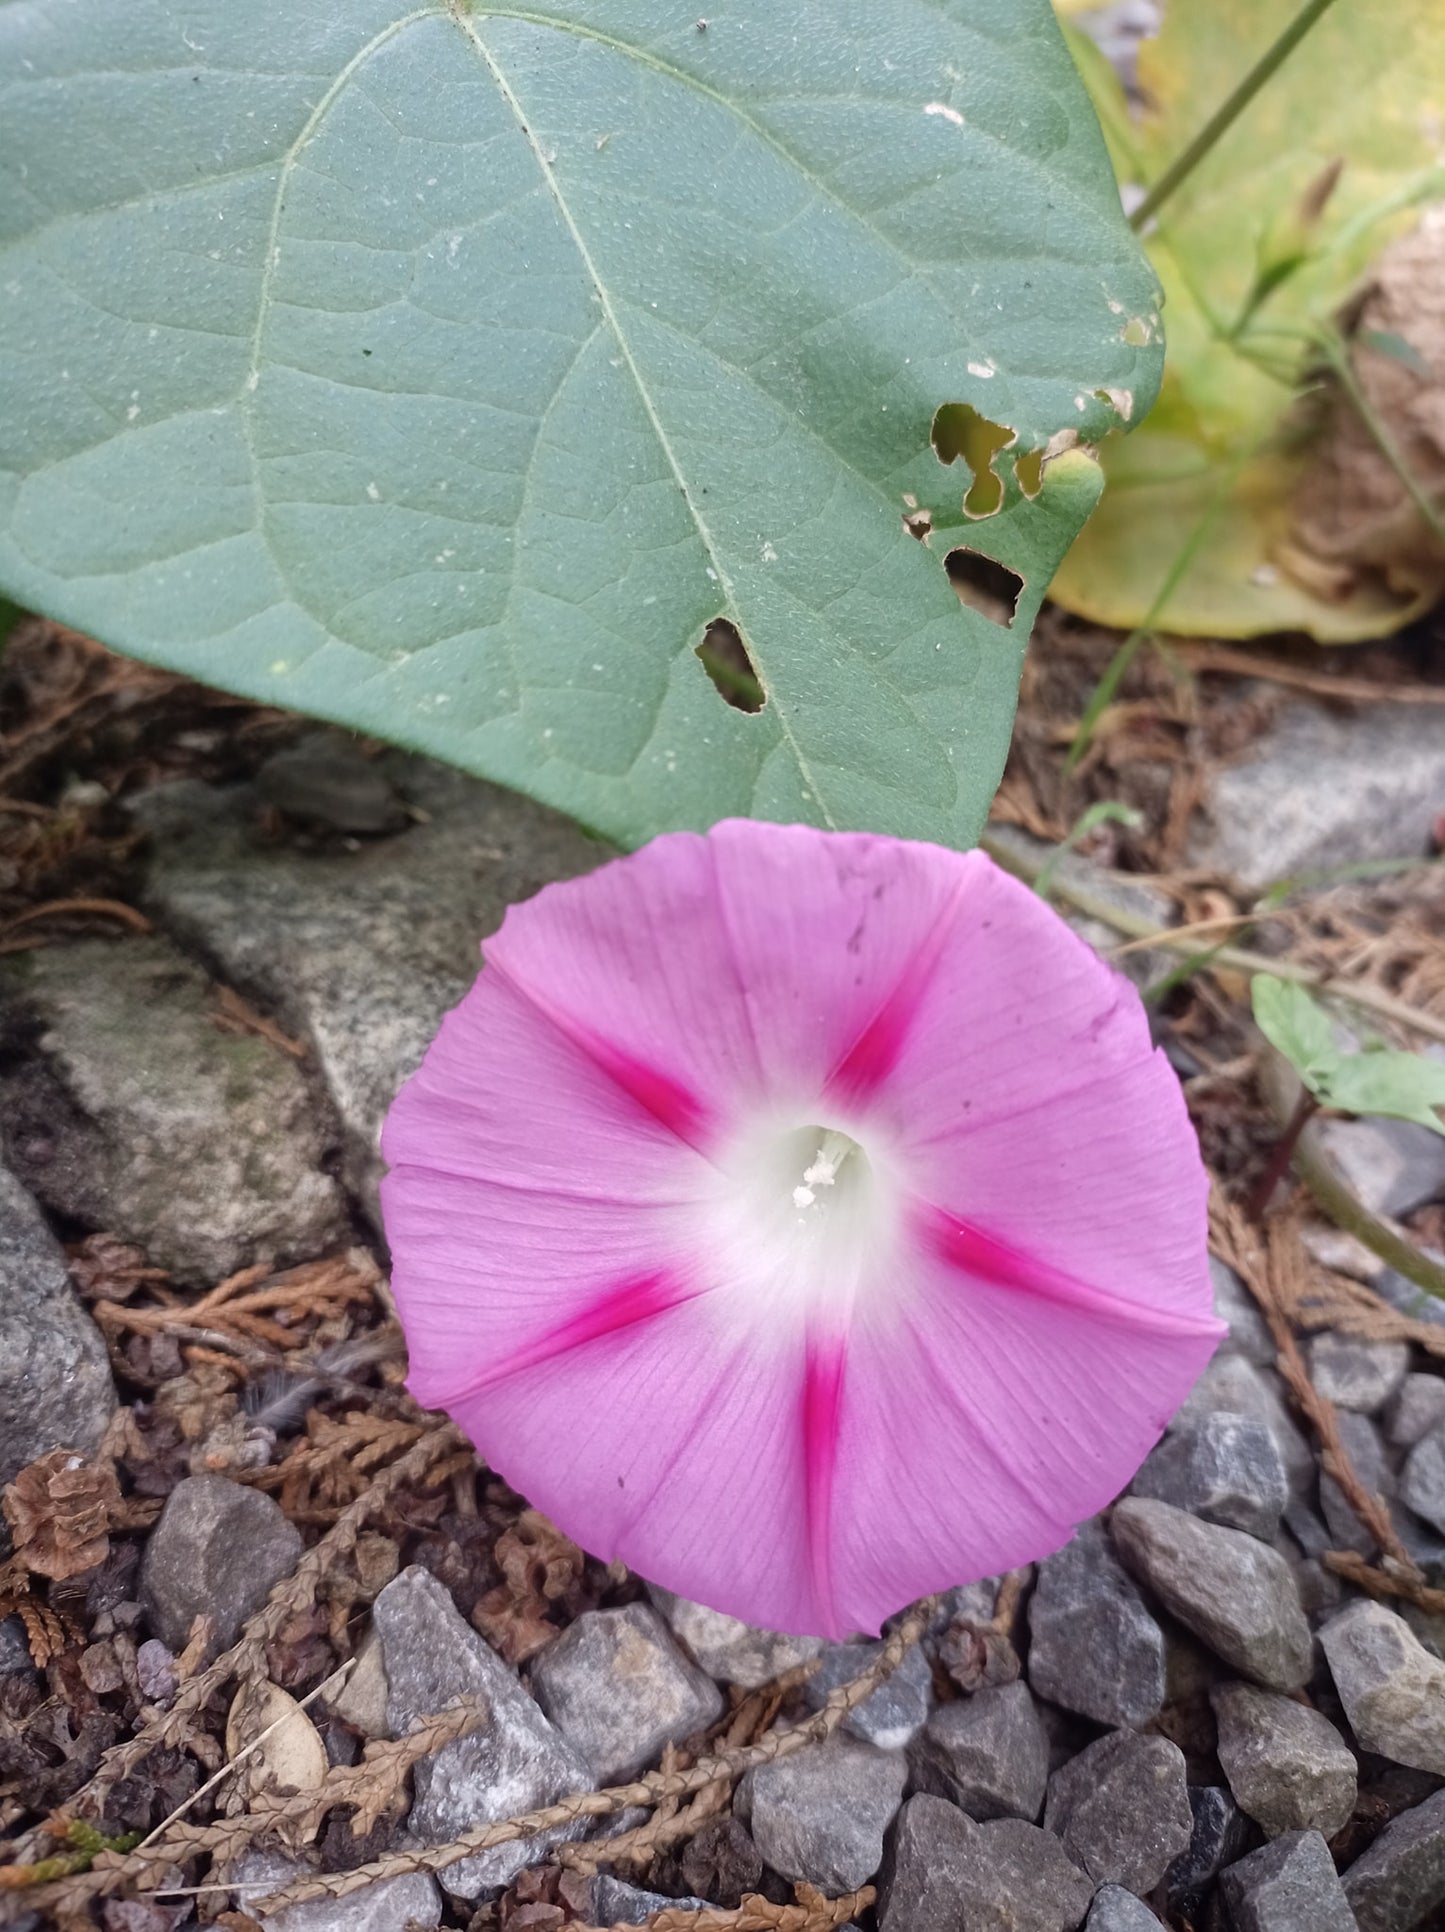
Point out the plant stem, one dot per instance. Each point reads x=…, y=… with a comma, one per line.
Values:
x=1184, y=558
x=1228, y=112
x=1104, y=811
x=1283, y=1153
x=1344, y=1208
x=1338, y=358
x=1094, y=905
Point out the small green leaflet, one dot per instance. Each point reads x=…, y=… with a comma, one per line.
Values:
x=1404, y=1086
x=446, y=370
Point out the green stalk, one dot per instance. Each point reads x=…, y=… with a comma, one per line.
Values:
x=1338, y=358
x=1229, y=112
x=1103, y=692
x=1349, y=1212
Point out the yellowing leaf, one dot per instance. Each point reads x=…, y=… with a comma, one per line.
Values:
x=1366, y=87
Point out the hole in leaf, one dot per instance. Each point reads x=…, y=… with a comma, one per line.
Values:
x=1121, y=401
x=1029, y=469
x=918, y=523
x=1136, y=332
x=984, y=584
x=960, y=431
x=724, y=657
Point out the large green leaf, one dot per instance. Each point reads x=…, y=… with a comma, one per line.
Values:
x=446, y=370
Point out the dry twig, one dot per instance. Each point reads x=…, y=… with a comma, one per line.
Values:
x=1275, y=1267
x=650, y=1791
x=813, y=1912
x=1385, y=1579
x=290, y=1597
x=672, y=1824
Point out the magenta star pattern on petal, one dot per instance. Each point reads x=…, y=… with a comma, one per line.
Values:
x=804, y=1218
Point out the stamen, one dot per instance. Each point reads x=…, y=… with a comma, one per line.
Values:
x=833, y=1149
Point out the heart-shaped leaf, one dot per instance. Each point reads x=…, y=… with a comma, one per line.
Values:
x=449, y=370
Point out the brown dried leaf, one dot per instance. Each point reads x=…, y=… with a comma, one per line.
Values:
x=540, y=1567
x=105, y=1268
x=1353, y=519
x=60, y=1510
x=292, y=1758
x=978, y=1655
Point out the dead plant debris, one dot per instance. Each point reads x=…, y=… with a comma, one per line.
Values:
x=119, y=1791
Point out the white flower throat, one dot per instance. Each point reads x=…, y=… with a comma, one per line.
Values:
x=822, y=1171
x=803, y=1222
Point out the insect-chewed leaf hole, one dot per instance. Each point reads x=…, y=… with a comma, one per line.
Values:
x=984, y=584
x=1029, y=469
x=1121, y=401
x=724, y=657
x=960, y=431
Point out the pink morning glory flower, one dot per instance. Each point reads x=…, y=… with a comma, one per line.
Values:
x=804, y=1218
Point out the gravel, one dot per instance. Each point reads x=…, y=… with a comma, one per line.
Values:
x=1317, y=791
x=1226, y=1469
x=358, y=950
x=1121, y=1808
x=1249, y=1334
x=732, y=1651
x=1354, y=1373
x=1393, y=1166
x=1115, y=1910
x=1392, y=1688
x=135, y=1113
x=1221, y=1834
x=410, y=1900
x=1234, y=1386
x=1094, y=1647
x=894, y=1715
x=1423, y=1482
x=1401, y=1877
x=618, y=1689
x=56, y=1390
x=217, y=1550
x=1236, y=1594
x=1418, y=1408
x=1287, y=1765
x=947, y=1874
x=987, y=1754
x=614, y=1902
x=820, y=1816
x=1288, y=1886
x=1361, y=1442
x=512, y=1764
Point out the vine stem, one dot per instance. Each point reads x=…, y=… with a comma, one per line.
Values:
x=1338, y=358
x=1228, y=112
x=1283, y=1153
x=1094, y=905
x=1347, y=1211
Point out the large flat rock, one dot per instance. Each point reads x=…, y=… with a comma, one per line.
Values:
x=128, y=1108
x=357, y=945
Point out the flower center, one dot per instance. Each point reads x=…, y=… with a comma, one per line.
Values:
x=802, y=1224
x=822, y=1171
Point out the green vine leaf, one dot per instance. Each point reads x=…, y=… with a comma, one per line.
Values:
x=451, y=370
x=1298, y=1027
x=1403, y=1086
x=1406, y=1086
